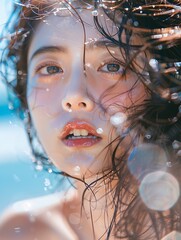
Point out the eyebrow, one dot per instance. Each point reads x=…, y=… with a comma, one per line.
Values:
x=47, y=49
x=101, y=43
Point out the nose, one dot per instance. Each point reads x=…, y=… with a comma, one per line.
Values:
x=77, y=102
x=76, y=96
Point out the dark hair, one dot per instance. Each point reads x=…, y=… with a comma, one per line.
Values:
x=156, y=121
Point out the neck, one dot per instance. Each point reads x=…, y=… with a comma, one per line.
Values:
x=96, y=197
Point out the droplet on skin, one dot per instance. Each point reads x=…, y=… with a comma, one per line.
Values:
x=77, y=170
x=159, y=190
x=99, y=131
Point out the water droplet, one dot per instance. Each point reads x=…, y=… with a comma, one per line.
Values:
x=118, y=118
x=176, y=145
x=20, y=72
x=99, y=130
x=136, y=23
x=148, y=136
x=11, y=106
x=154, y=64
x=169, y=164
x=160, y=47
x=39, y=167
x=95, y=13
x=77, y=170
x=174, y=96
x=159, y=190
x=50, y=170
x=47, y=182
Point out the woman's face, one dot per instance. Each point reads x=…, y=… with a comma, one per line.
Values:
x=64, y=93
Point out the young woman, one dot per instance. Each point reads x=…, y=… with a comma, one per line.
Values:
x=99, y=82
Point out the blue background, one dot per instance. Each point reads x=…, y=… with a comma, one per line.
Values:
x=18, y=178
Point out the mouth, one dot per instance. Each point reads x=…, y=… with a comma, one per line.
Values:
x=79, y=134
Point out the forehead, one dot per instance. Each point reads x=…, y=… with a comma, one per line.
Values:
x=70, y=26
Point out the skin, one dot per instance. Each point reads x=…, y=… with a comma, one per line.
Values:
x=48, y=96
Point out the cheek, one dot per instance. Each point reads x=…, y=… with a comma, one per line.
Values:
x=45, y=99
x=123, y=96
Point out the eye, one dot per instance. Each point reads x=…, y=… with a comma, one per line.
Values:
x=53, y=69
x=111, y=68
x=49, y=69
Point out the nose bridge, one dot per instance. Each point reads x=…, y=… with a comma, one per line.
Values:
x=77, y=80
x=76, y=96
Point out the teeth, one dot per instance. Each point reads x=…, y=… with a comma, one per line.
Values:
x=76, y=132
x=84, y=132
x=79, y=132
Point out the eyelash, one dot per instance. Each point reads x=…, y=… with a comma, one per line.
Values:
x=52, y=64
x=120, y=71
x=45, y=65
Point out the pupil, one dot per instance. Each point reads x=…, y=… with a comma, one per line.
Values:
x=113, y=67
x=52, y=69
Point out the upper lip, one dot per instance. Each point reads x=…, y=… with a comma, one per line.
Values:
x=78, y=124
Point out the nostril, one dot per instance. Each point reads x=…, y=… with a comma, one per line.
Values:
x=68, y=105
x=82, y=105
x=75, y=103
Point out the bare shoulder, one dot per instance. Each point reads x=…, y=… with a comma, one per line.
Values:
x=40, y=217
x=32, y=206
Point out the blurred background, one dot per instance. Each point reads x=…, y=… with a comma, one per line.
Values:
x=18, y=177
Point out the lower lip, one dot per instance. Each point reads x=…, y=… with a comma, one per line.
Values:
x=81, y=142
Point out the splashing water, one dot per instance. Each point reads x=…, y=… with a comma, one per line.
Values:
x=159, y=190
